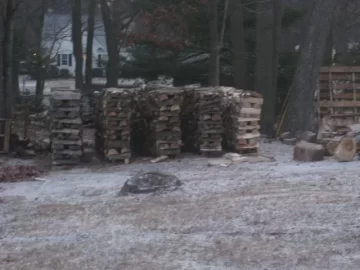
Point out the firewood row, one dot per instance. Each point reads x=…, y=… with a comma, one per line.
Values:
x=189, y=119
x=242, y=111
x=209, y=120
x=66, y=127
x=113, y=129
x=165, y=133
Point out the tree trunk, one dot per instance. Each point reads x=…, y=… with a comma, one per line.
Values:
x=2, y=89
x=300, y=114
x=240, y=71
x=112, y=69
x=278, y=12
x=214, y=72
x=15, y=79
x=329, y=49
x=7, y=56
x=89, y=43
x=264, y=75
x=39, y=89
x=77, y=43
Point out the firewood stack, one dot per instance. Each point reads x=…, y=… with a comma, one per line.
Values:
x=210, y=123
x=141, y=123
x=66, y=127
x=113, y=126
x=242, y=120
x=96, y=104
x=189, y=118
x=165, y=135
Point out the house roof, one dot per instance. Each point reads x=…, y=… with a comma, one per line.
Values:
x=59, y=26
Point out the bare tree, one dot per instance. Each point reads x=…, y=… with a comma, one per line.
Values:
x=216, y=40
x=2, y=90
x=240, y=71
x=77, y=43
x=7, y=51
x=39, y=76
x=300, y=109
x=89, y=43
x=268, y=26
x=112, y=69
x=214, y=64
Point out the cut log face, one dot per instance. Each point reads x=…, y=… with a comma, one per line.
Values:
x=331, y=147
x=308, y=152
x=346, y=150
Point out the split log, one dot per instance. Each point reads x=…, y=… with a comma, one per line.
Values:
x=346, y=150
x=308, y=152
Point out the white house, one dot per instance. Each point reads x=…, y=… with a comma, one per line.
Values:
x=58, y=43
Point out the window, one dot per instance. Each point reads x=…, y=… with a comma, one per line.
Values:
x=64, y=60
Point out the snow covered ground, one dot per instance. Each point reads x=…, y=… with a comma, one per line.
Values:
x=29, y=85
x=271, y=215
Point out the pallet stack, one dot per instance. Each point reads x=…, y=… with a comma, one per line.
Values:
x=242, y=120
x=338, y=95
x=66, y=127
x=165, y=135
x=113, y=124
x=209, y=123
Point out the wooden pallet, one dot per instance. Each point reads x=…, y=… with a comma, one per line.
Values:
x=5, y=129
x=338, y=94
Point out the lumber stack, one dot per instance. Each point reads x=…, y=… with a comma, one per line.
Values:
x=242, y=120
x=165, y=134
x=209, y=122
x=66, y=127
x=113, y=124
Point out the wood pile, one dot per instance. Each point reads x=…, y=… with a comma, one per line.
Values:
x=141, y=123
x=189, y=118
x=209, y=123
x=66, y=127
x=113, y=129
x=165, y=135
x=242, y=110
x=338, y=95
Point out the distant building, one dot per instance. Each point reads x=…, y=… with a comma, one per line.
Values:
x=57, y=41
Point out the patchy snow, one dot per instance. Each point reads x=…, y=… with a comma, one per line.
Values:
x=274, y=215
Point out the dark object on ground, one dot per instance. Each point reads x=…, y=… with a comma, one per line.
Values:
x=19, y=173
x=150, y=182
x=305, y=151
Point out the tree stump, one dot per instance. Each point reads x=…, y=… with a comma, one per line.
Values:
x=308, y=152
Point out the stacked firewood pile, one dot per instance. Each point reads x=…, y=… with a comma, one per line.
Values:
x=189, y=119
x=113, y=124
x=165, y=135
x=66, y=127
x=242, y=110
x=209, y=119
x=141, y=123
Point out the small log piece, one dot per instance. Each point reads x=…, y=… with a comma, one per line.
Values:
x=308, y=152
x=346, y=150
